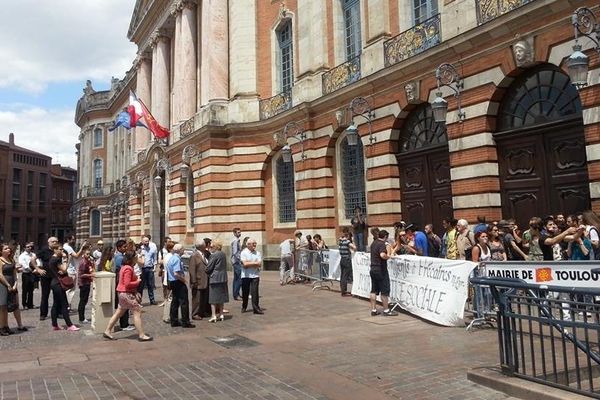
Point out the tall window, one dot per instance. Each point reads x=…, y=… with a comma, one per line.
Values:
x=16, y=188
x=424, y=9
x=97, y=137
x=284, y=36
x=353, y=177
x=95, y=216
x=351, y=10
x=286, y=191
x=97, y=174
x=29, y=191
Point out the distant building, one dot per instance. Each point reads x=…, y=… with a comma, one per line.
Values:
x=25, y=187
x=64, y=187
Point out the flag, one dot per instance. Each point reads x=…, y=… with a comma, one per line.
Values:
x=138, y=109
x=543, y=274
x=124, y=119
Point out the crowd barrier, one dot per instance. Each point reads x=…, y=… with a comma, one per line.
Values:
x=313, y=266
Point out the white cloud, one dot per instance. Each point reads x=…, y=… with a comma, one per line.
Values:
x=64, y=40
x=50, y=132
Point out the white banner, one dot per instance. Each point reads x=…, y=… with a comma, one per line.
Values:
x=555, y=273
x=334, y=265
x=432, y=288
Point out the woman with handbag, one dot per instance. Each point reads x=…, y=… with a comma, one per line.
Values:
x=9, y=298
x=218, y=294
x=60, y=283
x=128, y=298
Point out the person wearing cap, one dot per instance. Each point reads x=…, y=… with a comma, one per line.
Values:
x=512, y=249
x=420, y=241
x=97, y=254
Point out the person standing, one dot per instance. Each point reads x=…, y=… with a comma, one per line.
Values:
x=120, y=249
x=176, y=277
x=380, y=278
x=149, y=252
x=85, y=276
x=465, y=240
x=27, y=262
x=344, y=246
x=58, y=267
x=236, y=263
x=287, y=260
x=199, y=283
x=251, y=264
x=359, y=225
x=217, y=272
x=10, y=297
x=73, y=263
x=97, y=255
x=44, y=272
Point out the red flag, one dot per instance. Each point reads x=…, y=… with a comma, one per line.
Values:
x=160, y=132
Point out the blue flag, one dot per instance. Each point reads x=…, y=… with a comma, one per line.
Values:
x=124, y=120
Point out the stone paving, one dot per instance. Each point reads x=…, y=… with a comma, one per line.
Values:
x=308, y=345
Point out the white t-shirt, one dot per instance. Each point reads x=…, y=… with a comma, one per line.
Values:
x=286, y=248
x=73, y=261
x=25, y=260
x=255, y=256
x=592, y=233
x=97, y=254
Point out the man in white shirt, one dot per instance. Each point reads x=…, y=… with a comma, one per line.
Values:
x=251, y=264
x=73, y=258
x=27, y=262
x=97, y=255
x=287, y=260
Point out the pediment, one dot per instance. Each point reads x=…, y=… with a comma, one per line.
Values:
x=137, y=16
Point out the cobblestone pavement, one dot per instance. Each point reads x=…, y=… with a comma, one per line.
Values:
x=308, y=345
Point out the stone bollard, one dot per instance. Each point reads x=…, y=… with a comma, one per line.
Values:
x=103, y=300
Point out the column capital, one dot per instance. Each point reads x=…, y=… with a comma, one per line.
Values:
x=141, y=58
x=159, y=35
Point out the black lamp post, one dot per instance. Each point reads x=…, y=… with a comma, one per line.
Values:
x=446, y=75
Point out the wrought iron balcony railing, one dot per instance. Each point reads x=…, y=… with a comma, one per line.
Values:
x=275, y=105
x=342, y=75
x=488, y=10
x=413, y=41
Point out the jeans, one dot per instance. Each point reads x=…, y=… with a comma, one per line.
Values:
x=237, y=279
x=147, y=281
x=180, y=299
x=287, y=263
x=45, y=285
x=250, y=287
x=360, y=241
x=84, y=295
x=59, y=305
x=27, y=296
x=345, y=271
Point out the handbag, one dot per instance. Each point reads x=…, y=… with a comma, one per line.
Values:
x=66, y=282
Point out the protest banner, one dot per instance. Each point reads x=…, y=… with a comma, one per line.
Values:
x=432, y=288
x=555, y=273
x=334, y=265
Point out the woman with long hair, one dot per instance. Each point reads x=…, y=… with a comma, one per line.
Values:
x=127, y=289
x=105, y=263
x=481, y=251
x=217, y=271
x=8, y=293
x=592, y=231
x=60, y=305
x=495, y=243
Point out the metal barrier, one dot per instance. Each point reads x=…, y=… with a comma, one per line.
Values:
x=548, y=334
x=481, y=302
x=313, y=266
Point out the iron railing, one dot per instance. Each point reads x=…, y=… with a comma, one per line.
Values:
x=342, y=75
x=548, y=334
x=413, y=41
x=275, y=105
x=488, y=10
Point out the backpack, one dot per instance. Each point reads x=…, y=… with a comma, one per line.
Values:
x=434, y=245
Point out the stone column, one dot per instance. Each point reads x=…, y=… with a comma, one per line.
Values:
x=188, y=56
x=243, y=45
x=160, y=78
x=214, y=71
x=177, y=67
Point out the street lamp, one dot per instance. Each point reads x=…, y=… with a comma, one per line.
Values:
x=189, y=154
x=161, y=165
x=359, y=106
x=293, y=130
x=446, y=75
x=584, y=22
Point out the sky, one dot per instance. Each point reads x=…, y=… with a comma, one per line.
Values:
x=48, y=51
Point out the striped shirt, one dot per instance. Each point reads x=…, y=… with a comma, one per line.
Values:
x=344, y=247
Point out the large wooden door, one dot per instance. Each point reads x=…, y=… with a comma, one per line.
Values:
x=425, y=185
x=541, y=147
x=424, y=165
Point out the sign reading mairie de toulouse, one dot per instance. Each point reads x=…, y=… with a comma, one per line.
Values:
x=432, y=288
x=555, y=273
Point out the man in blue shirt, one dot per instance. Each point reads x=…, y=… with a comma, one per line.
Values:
x=150, y=253
x=420, y=239
x=178, y=285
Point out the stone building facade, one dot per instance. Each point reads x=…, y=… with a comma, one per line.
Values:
x=240, y=82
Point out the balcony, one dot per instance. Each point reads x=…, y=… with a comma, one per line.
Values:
x=342, y=75
x=488, y=10
x=413, y=41
x=275, y=105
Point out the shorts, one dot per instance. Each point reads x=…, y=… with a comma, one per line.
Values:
x=380, y=281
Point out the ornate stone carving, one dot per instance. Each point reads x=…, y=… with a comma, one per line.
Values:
x=88, y=90
x=412, y=91
x=158, y=35
x=342, y=75
x=523, y=52
x=487, y=10
x=275, y=105
x=413, y=41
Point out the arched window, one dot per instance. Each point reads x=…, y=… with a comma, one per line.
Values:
x=544, y=94
x=352, y=166
x=286, y=59
x=352, y=32
x=286, y=190
x=421, y=131
x=97, y=174
x=98, y=137
x=95, y=222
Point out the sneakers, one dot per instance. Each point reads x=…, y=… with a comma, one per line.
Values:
x=375, y=312
x=85, y=321
x=389, y=313
x=72, y=328
x=128, y=328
